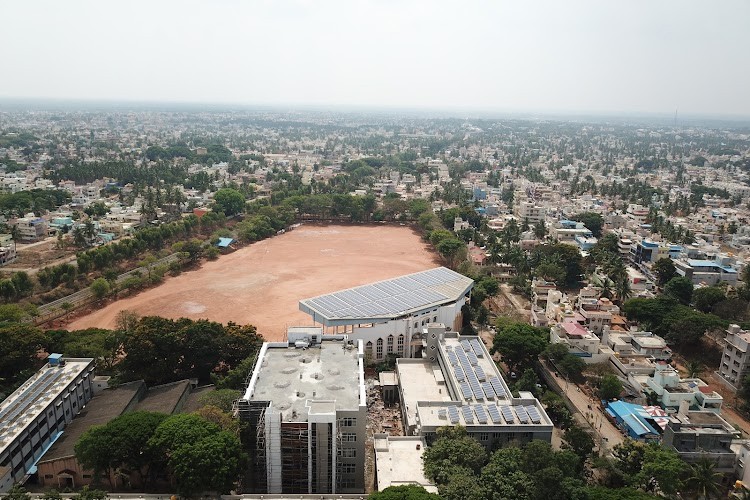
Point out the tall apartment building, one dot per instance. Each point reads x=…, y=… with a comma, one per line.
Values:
x=530, y=211
x=34, y=416
x=735, y=359
x=306, y=404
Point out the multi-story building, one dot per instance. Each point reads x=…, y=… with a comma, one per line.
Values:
x=673, y=390
x=31, y=228
x=305, y=403
x=528, y=211
x=35, y=414
x=457, y=383
x=700, y=435
x=735, y=358
x=709, y=272
x=390, y=316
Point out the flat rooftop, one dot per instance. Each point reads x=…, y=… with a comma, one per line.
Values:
x=292, y=378
x=27, y=402
x=464, y=388
x=388, y=299
x=398, y=461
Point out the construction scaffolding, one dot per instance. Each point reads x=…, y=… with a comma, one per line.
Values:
x=294, y=457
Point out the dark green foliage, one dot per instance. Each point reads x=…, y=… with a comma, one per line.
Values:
x=680, y=289
x=162, y=350
x=454, y=452
x=592, y=220
x=707, y=297
x=230, y=201
x=35, y=200
x=664, y=270
x=567, y=257
x=519, y=343
x=610, y=387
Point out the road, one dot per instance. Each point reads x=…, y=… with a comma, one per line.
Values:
x=590, y=410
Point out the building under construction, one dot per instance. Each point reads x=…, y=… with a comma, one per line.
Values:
x=306, y=409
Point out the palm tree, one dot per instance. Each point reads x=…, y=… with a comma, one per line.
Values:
x=694, y=368
x=704, y=479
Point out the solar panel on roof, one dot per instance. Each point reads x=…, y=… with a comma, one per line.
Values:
x=477, y=347
x=494, y=414
x=523, y=417
x=498, y=386
x=507, y=414
x=465, y=345
x=472, y=358
x=481, y=414
x=466, y=390
x=453, y=414
x=489, y=391
x=459, y=374
x=442, y=413
x=468, y=414
x=534, y=414
x=480, y=373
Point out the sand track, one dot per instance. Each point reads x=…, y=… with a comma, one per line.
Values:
x=261, y=284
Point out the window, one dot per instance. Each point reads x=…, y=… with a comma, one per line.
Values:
x=368, y=348
x=416, y=324
x=390, y=344
x=379, y=350
x=87, y=476
x=348, y=437
x=434, y=319
x=348, y=452
x=348, y=422
x=400, y=344
x=346, y=483
x=348, y=468
x=483, y=436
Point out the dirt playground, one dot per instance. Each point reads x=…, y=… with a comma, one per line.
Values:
x=261, y=284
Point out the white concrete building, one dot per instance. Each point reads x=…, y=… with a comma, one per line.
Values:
x=735, y=359
x=458, y=383
x=390, y=316
x=306, y=404
x=34, y=416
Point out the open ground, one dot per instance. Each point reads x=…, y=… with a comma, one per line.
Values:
x=261, y=284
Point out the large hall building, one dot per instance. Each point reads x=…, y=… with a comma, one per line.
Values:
x=390, y=316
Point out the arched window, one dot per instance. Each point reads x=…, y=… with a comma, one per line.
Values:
x=400, y=344
x=390, y=344
x=368, y=348
x=379, y=349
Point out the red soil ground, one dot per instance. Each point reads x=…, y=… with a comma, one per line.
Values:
x=261, y=284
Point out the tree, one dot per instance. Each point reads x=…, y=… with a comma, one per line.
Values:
x=703, y=478
x=462, y=486
x=540, y=230
x=221, y=398
x=706, y=298
x=661, y=470
x=527, y=381
x=579, y=441
x=519, y=343
x=664, y=270
x=19, y=345
x=100, y=288
x=52, y=494
x=23, y=283
x=571, y=366
x=404, y=492
x=7, y=290
x=610, y=387
x=89, y=494
x=453, y=452
x=213, y=463
x=694, y=368
x=450, y=249
x=592, y=220
x=680, y=289
x=230, y=201
x=17, y=492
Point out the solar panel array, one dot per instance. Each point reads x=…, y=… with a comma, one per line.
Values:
x=503, y=414
x=453, y=415
x=472, y=379
x=391, y=298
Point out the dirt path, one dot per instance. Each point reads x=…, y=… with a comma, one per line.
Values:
x=261, y=284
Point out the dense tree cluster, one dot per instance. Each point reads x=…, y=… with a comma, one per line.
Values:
x=196, y=453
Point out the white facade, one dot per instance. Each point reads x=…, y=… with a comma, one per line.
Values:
x=735, y=358
x=34, y=416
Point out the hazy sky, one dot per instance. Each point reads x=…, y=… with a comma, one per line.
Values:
x=630, y=56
